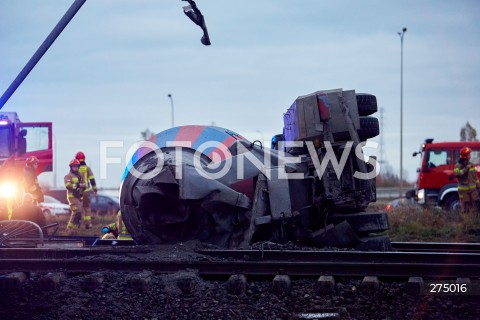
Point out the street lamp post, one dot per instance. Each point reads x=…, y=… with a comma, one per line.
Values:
x=401, y=34
x=173, y=113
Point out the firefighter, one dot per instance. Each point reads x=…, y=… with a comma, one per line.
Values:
x=110, y=232
x=468, y=183
x=116, y=230
x=75, y=186
x=29, y=211
x=123, y=233
x=30, y=180
x=89, y=179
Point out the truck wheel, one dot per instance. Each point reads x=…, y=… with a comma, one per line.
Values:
x=452, y=203
x=369, y=128
x=367, y=104
x=363, y=222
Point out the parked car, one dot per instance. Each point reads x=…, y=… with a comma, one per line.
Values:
x=59, y=194
x=51, y=206
x=105, y=204
x=101, y=204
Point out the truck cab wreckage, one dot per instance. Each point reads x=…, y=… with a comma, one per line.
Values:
x=211, y=184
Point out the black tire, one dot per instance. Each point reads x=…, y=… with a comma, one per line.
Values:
x=451, y=203
x=367, y=104
x=369, y=128
x=364, y=222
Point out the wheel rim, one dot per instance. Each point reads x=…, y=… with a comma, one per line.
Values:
x=455, y=206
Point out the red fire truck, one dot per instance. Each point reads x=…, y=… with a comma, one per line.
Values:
x=436, y=184
x=18, y=141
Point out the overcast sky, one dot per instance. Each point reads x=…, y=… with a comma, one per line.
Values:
x=108, y=74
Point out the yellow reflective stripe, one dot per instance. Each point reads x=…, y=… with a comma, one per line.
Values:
x=91, y=177
x=9, y=208
x=87, y=218
x=72, y=225
x=466, y=188
x=84, y=171
x=67, y=184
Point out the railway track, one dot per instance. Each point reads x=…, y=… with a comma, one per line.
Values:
x=465, y=262
x=307, y=275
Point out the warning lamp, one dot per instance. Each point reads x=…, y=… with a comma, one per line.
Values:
x=7, y=190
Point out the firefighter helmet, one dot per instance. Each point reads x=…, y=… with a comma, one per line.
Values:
x=30, y=161
x=80, y=156
x=74, y=162
x=465, y=153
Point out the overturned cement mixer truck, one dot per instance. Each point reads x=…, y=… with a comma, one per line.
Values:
x=311, y=187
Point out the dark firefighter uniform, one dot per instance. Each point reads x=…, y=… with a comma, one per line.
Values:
x=30, y=180
x=74, y=184
x=89, y=179
x=468, y=183
x=29, y=211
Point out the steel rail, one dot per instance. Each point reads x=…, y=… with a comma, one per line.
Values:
x=345, y=256
x=263, y=268
x=405, y=252
x=252, y=255
x=436, y=247
x=56, y=253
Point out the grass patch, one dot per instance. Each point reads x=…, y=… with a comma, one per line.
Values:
x=420, y=224
x=98, y=223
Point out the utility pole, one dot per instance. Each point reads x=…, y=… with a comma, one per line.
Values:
x=401, y=34
x=382, y=151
